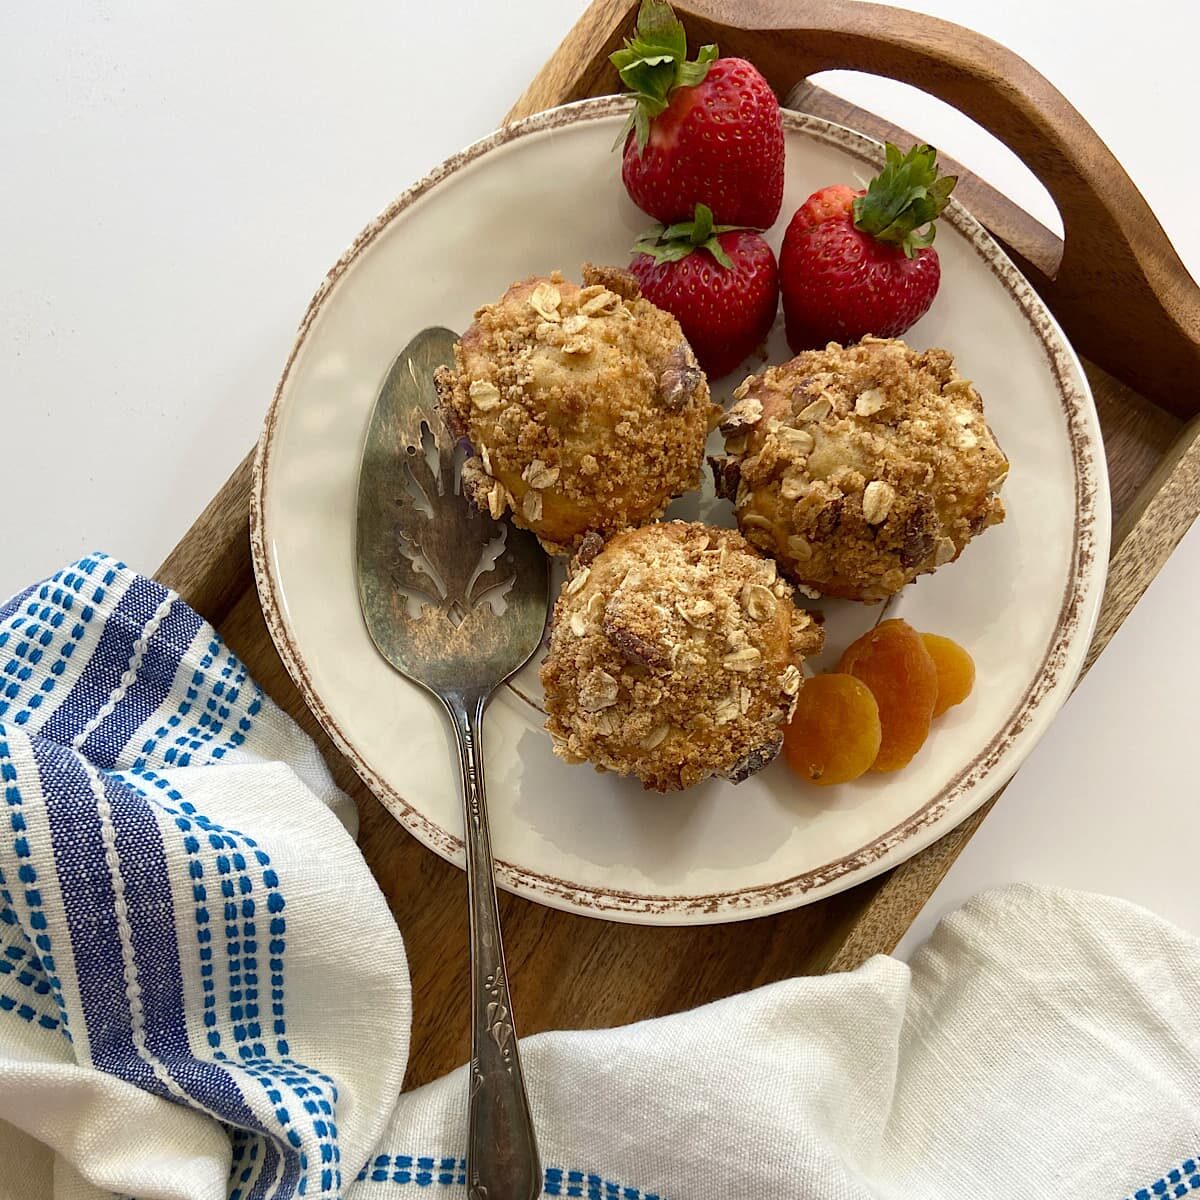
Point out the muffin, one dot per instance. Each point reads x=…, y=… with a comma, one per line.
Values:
x=675, y=655
x=584, y=406
x=861, y=468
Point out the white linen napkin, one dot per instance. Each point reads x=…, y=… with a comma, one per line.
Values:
x=203, y=994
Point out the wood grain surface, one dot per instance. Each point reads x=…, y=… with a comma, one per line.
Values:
x=578, y=972
x=211, y=566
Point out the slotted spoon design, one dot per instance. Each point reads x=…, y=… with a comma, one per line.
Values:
x=455, y=602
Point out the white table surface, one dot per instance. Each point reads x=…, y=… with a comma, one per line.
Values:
x=176, y=180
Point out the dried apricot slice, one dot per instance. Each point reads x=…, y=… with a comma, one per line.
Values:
x=834, y=733
x=955, y=671
x=892, y=661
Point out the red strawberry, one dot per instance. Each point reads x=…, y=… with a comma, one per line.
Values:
x=720, y=283
x=854, y=263
x=702, y=132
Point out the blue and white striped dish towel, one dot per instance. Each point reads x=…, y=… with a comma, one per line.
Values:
x=203, y=994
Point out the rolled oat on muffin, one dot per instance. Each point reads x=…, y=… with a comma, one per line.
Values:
x=860, y=468
x=584, y=407
x=675, y=655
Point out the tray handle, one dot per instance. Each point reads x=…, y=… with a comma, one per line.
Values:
x=1120, y=290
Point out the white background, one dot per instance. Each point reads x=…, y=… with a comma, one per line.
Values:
x=176, y=179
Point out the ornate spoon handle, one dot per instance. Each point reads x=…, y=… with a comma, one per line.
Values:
x=502, y=1154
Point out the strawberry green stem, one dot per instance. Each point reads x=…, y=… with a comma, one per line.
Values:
x=670, y=243
x=653, y=63
x=902, y=201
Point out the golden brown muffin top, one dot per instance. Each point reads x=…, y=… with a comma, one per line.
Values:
x=674, y=656
x=585, y=406
x=862, y=466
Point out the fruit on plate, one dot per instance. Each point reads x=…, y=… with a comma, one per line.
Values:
x=707, y=132
x=675, y=654
x=874, y=712
x=893, y=662
x=584, y=407
x=834, y=734
x=720, y=283
x=857, y=263
x=860, y=469
x=955, y=671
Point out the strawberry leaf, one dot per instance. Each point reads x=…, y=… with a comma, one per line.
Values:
x=688, y=74
x=641, y=72
x=674, y=242
x=698, y=229
x=663, y=252
x=627, y=125
x=641, y=124
x=657, y=25
x=903, y=200
x=653, y=63
x=715, y=248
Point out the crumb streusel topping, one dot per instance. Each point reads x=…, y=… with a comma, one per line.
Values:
x=675, y=655
x=585, y=407
x=861, y=468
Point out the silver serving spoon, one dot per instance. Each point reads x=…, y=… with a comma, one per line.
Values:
x=457, y=603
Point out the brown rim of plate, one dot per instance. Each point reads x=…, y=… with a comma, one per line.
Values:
x=905, y=838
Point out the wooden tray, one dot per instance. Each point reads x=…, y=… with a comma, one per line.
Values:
x=1122, y=296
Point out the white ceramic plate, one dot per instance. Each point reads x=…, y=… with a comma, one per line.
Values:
x=546, y=193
